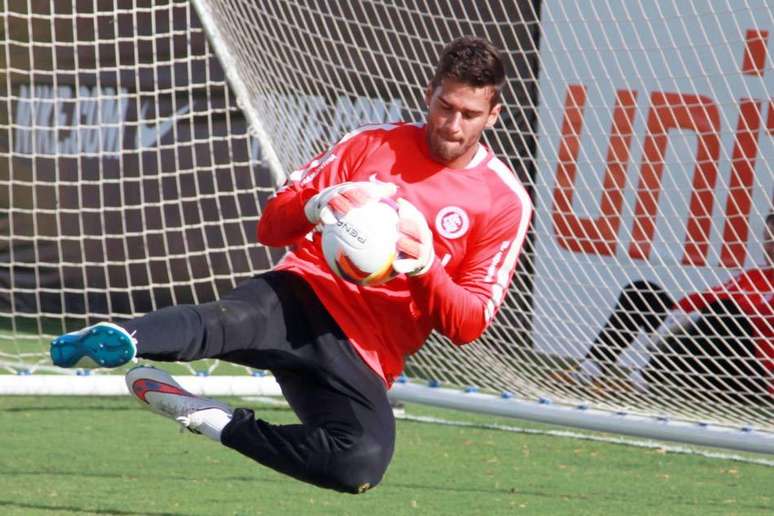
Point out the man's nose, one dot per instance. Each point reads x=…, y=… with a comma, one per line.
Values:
x=454, y=122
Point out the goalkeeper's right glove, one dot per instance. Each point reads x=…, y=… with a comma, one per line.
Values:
x=339, y=199
x=676, y=322
x=415, y=243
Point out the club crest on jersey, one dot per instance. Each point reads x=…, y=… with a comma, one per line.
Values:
x=452, y=222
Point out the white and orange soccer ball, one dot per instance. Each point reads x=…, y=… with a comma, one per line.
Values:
x=361, y=246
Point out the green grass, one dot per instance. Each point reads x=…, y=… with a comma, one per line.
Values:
x=62, y=455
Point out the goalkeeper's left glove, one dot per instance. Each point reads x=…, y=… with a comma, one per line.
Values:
x=339, y=199
x=415, y=244
x=676, y=322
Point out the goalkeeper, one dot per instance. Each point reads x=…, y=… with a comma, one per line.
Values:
x=718, y=340
x=335, y=347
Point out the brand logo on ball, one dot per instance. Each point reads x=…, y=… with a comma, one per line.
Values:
x=452, y=222
x=355, y=235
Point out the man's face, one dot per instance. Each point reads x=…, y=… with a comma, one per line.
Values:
x=768, y=243
x=457, y=115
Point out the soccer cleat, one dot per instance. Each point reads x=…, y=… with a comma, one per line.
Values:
x=163, y=395
x=100, y=345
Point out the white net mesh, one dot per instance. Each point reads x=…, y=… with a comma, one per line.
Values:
x=128, y=180
x=642, y=130
x=635, y=125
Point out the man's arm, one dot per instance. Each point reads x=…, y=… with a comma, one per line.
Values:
x=463, y=307
x=700, y=300
x=284, y=220
x=456, y=312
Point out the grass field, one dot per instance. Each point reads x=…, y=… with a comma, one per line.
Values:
x=61, y=455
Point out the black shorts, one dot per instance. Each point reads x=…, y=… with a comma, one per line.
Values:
x=274, y=321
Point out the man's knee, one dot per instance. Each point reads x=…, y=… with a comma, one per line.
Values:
x=227, y=321
x=360, y=467
x=356, y=468
x=644, y=296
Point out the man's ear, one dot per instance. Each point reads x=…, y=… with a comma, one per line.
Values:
x=494, y=113
x=429, y=94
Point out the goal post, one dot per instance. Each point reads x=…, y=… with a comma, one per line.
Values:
x=140, y=143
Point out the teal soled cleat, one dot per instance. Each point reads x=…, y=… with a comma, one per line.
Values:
x=100, y=345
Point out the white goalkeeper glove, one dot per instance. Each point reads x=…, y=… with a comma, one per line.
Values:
x=415, y=244
x=676, y=322
x=339, y=199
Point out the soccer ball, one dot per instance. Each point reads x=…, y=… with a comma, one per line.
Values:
x=361, y=246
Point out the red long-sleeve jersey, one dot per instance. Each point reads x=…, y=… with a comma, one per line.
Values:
x=478, y=215
x=753, y=292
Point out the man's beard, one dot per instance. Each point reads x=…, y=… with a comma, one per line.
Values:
x=444, y=150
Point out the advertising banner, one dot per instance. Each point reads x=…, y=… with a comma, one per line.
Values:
x=654, y=156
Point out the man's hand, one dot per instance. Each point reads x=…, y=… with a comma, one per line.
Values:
x=676, y=322
x=337, y=200
x=415, y=244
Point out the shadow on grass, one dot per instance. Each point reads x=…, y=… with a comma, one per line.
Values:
x=67, y=408
x=257, y=479
x=70, y=508
x=242, y=478
x=144, y=476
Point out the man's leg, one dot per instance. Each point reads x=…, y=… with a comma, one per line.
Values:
x=715, y=356
x=641, y=306
x=243, y=318
x=346, y=436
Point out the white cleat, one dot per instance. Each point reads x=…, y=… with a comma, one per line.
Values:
x=163, y=395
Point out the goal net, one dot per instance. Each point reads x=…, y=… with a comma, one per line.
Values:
x=128, y=179
x=134, y=169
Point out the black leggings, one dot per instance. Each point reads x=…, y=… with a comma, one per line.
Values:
x=274, y=321
x=717, y=352
x=641, y=306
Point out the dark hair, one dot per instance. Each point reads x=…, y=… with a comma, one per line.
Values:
x=770, y=218
x=474, y=61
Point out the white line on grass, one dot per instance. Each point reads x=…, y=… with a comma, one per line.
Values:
x=575, y=435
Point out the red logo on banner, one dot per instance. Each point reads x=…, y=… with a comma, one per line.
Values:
x=667, y=111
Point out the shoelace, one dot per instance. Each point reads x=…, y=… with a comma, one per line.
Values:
x=189, y=421
x=185, y=424
x=135, y=360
